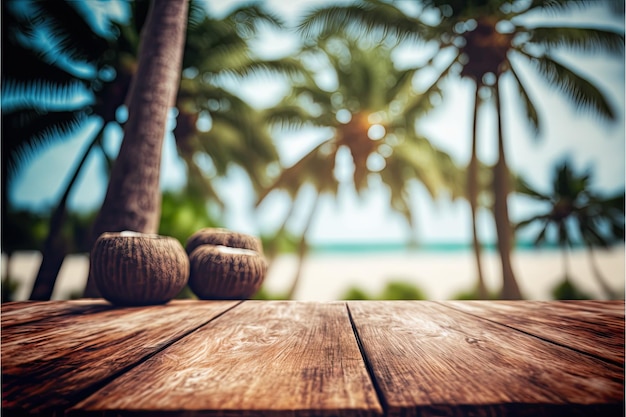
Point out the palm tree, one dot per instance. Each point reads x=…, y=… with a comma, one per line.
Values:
x=216, y=49
x=133, y=197
x=213, y=121
x=371, y=116
x=52, y=57
x=577, y=213
x=489, y=39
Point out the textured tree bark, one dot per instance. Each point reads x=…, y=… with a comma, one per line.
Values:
x=133, y=198
x=55, y=249
x=501, y=189
x=472, y=195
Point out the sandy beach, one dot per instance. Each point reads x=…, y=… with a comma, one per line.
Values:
x=326, y=276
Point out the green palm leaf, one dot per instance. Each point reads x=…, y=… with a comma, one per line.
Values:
x=531, y=111
x=522, y=187
x=25, y=132
x=291, y=117
x=557, y=6
x=584, y=39
x=315, y=168
x=42, y=94
x=69, y=30
x=248, y=17
x=583, y=93
x=358, y=20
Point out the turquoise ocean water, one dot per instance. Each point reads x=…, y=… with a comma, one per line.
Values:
x=396, y=247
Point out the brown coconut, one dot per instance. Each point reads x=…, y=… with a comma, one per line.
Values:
x=132, y=268
x=220, y=272
x=223, y=237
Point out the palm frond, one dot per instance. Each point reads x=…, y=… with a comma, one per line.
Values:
x=590, y=232
x=197, y=13
x=289, y=117
x=256, y=143
x=43, y=95
x=559, y=6
x=522, y=187
x=541, y=236
x=69, y=31
x=316, y=94
x=22, y=63
x=247, y=17
x=578, y=89
x=315, y=168
x=418, y=160
x=531, y=112
x=564, y=235
x=402, y=84
x=393, y=177
x=25, y=132
x=526, y=222
x=251, y=66
x=371, y=18
x=584, y=39
x=421, y=104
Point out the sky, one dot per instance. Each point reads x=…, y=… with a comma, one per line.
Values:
x=588, y=142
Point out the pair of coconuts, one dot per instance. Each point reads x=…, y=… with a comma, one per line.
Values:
x=131, y=268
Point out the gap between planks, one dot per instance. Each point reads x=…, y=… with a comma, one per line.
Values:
x=92, y=389
x=368, y=364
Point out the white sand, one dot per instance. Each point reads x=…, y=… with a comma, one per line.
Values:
x=327, y=276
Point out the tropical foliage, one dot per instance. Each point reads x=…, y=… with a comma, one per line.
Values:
x=487, y=39
x=395, y=289
x=215, y=128
x=576, y=214
x=371, y=116
x=61, y=71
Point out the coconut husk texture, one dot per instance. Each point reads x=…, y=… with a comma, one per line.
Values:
x=134, y=269
x=225, y=265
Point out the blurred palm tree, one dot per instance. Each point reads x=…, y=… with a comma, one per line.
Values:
x=133, y=196
x=487, y=39
x=372, y=118
x=216, y=49
x=51, y=70
x=213, y=121
x=577, y=213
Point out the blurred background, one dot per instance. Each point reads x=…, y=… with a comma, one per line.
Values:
x=408, y=149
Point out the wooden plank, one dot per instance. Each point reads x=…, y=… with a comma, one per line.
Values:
x=590, y=328
x=21, y=312
x=429, y=360
x=268, y=358
x=613, y=307
x=50, y=364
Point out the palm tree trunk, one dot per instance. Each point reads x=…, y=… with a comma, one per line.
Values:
x=566, y=267
x=600, y=279
x=54, y=249
x=472, y=194
x=302, y=251
x=133, y=198
x=501, y=190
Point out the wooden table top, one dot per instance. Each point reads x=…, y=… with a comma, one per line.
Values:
x=287, y=358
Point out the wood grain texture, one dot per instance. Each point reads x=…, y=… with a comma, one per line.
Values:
x=430, y=360
x=48, y=365
x=21, y=312
x=590, y=328
x=264, y=358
